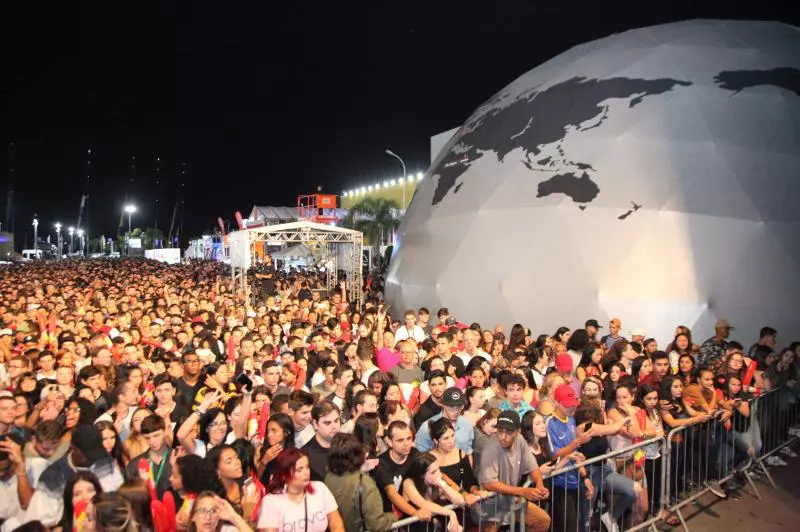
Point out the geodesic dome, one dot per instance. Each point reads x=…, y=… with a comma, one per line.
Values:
x=652, y=175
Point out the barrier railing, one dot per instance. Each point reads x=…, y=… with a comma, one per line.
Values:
x=618, y=492
x=406, y=524
x=711, y=456
x=639, y=485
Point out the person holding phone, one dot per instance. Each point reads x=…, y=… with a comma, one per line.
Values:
x=589, y=418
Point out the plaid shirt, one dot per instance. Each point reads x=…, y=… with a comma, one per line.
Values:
x=711, y=351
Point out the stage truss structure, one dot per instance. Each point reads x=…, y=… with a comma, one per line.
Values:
x=334, y=248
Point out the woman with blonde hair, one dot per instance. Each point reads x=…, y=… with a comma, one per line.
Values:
x=551, y=382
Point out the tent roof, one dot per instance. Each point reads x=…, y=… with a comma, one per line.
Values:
x=292, y=227
x=269, y=213
x=298, y=250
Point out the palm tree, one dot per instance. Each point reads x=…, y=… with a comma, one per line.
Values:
x=377, y=218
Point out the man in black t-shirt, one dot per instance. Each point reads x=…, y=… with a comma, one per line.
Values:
x=437, y=383
x=165, y=390
x=453, y=365
x=325, y=419
x=266, y=274
x=392, y=469
x=190, y=382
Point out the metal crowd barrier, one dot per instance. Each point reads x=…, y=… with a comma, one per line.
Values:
x=694, y=460
x=406, y=524
x=704, y=457
x=619, y=480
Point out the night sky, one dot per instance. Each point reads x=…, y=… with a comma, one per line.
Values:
x=261, y=100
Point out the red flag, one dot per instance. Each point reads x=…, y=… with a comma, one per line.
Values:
x=231, y=349
x=751, y=371
x=262, y=422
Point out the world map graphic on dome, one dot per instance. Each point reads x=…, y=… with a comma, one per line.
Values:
x=539, y=121
x=650, y=175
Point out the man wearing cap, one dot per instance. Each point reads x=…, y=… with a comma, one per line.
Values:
x=6, y=343
x=565, y=368
x=637, y=335
x=505, y=460
x=86, y=453
x=613, y=328
x=714, y=348
x=573, y=489
x=453, y=402
x=592, y=328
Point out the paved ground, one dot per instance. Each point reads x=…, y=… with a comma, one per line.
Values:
x=777, y=510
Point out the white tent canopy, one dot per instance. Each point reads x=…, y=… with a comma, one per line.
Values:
x=298, y=251
x=340, y=248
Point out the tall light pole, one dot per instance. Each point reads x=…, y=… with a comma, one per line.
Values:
x=35, y=237
x=402, y=179
x=58, y=239
x=71, y=232
x=130, y=209
x=83, y=246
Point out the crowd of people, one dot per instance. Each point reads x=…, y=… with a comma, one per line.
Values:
x=131, y=387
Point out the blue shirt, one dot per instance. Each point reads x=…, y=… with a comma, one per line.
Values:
x=559, y=435
x=465, y=432
x=522, y=409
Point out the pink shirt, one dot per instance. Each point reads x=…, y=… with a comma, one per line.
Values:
x=387, y=359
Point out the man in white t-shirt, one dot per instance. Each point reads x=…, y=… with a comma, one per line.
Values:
x=410, y=329
x=472, y=348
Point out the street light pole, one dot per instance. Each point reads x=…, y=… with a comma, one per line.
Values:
x=83, y=246
x=130, y=209
x=58, y=239
x=71, y=232
x=35, y=237
x=402, y=179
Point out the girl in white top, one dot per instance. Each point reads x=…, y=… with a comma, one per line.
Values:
x=295, y=504
x=476, y=398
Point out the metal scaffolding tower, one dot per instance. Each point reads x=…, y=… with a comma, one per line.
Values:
x=335, y=249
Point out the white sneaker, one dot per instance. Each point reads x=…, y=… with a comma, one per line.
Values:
x=788, y=452
x=607, y=520
x=774, y=461
x=794, y=431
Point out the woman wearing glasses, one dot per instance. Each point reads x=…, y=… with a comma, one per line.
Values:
x=212, y=513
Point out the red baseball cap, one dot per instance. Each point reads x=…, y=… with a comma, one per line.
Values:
x=565, y=395
x=564, y=363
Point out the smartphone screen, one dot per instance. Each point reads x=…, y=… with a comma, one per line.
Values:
x=245, y=381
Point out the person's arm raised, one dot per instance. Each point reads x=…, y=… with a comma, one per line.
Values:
x=185, y=431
